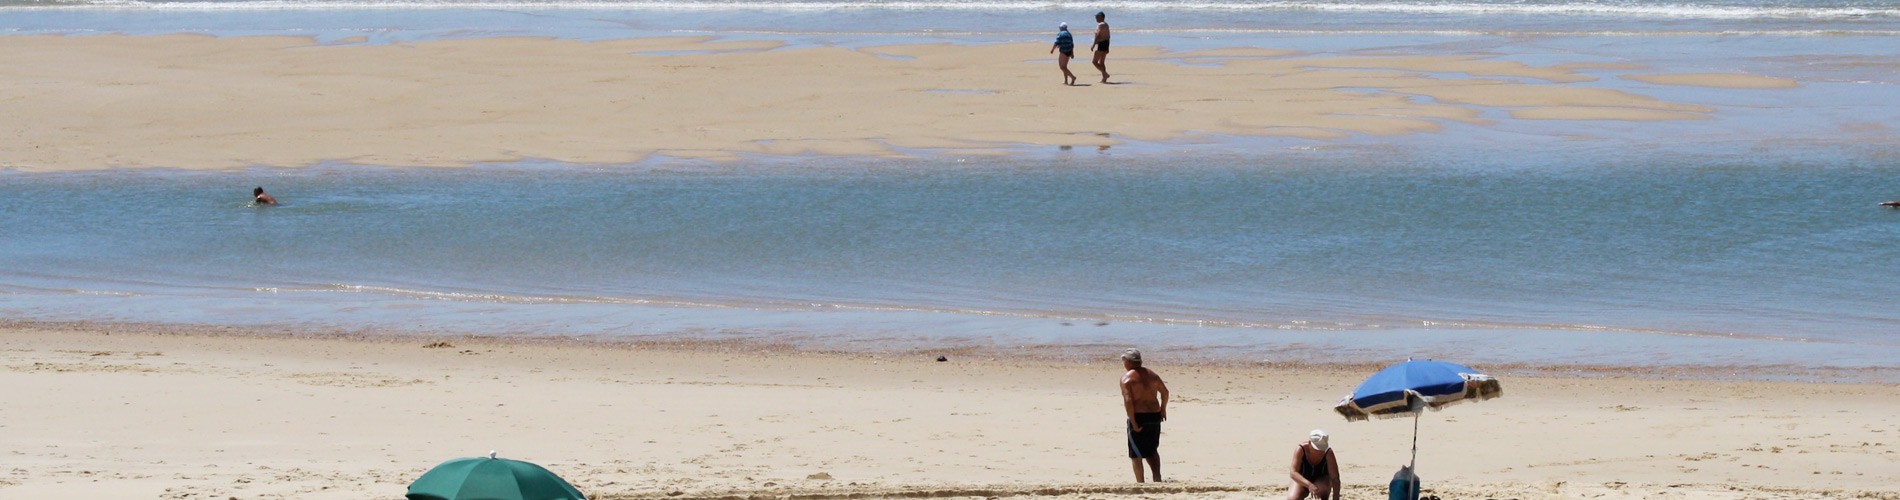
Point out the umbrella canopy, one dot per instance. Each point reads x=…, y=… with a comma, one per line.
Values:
x=1405, y=389
x=490, y=478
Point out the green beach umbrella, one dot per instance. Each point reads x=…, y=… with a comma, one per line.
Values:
x=490, y=478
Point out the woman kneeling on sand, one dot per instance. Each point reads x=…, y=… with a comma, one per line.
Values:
x=1315, y=470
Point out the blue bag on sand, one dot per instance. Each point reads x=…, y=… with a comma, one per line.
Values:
x=1404, y=485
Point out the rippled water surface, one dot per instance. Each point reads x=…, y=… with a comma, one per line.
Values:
x=1248, y=248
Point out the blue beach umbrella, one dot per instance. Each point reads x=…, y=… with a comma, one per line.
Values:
x=1409, y=388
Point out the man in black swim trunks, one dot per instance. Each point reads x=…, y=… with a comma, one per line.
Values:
x=1101, y=45
x=1145, y=397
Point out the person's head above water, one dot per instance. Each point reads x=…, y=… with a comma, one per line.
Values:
x=258, y=196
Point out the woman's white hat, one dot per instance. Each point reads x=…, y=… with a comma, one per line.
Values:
x=1318, y=439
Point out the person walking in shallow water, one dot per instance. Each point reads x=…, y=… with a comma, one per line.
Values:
x=1145, y=399
x=1101, y=44
x=1065, y=43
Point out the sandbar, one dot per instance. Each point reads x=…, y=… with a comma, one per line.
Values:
x=204, y=102
x=1718, y=80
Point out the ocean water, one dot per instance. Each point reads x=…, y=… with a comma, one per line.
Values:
x=1749, y=241
x=1231, y=255
x=962, y=18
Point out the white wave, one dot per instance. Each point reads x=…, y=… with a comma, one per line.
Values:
x=1659, y=10
x=488, y=297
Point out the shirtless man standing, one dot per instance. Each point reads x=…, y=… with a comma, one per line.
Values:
x=1101, y=44
x=1146, y=411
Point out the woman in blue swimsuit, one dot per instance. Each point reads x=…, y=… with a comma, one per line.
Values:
x=1065, y=42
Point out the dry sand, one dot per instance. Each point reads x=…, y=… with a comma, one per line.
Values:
x=89, y=414
x=191, y=101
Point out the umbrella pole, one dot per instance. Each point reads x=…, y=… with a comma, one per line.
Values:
x=1415, y=440
x=1413, y=495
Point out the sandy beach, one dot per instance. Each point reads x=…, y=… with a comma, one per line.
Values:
x=196, y=413
x=201, y=102
x=182, y=411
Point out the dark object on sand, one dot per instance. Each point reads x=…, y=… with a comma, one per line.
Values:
x=941, y=359
x=1404, y=485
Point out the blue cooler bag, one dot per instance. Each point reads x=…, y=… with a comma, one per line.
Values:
x=1404, y=485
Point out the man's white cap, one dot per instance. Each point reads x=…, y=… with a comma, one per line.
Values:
x=1062, y=26
x=1318, y=438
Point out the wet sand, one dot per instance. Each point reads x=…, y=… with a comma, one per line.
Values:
x=201, y=102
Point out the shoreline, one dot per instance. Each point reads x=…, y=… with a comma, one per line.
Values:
x=220, y=415
x=1080, y=351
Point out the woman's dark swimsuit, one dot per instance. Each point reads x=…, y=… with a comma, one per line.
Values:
x=1314, y=472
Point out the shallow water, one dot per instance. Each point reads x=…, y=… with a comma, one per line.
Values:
x=1243, y=251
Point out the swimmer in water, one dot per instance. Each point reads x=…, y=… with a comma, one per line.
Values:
x=262, y=198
